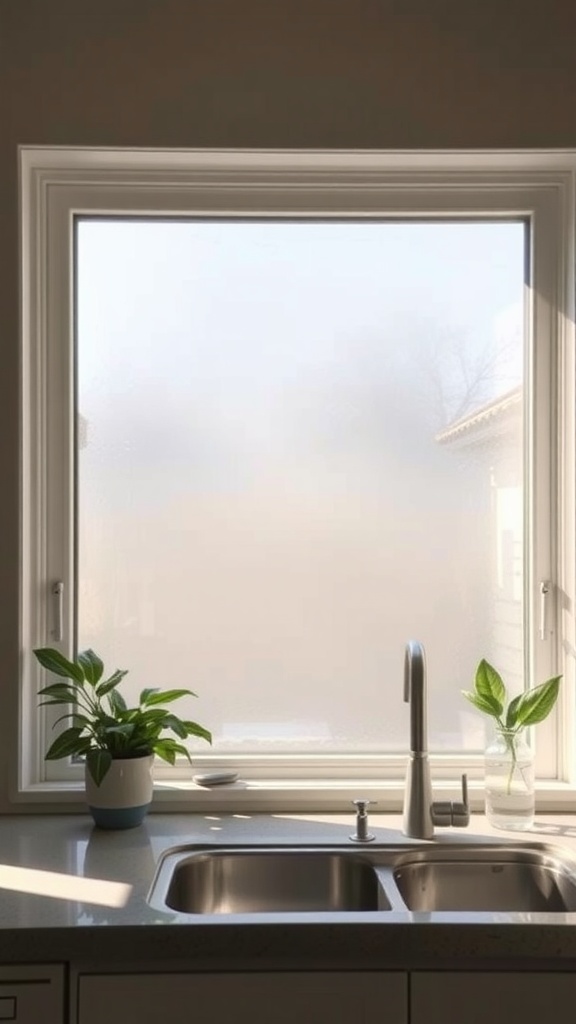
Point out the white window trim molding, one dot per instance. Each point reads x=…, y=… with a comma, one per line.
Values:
x=57, y=183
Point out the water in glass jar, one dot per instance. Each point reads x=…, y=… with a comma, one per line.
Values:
x=509, y=790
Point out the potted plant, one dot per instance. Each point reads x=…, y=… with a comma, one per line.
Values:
x=118, y=742
x=509, y=760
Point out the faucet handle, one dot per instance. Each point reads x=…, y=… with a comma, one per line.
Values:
x=461, y=808
x=452, y=812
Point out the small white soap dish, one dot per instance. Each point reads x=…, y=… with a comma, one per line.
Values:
x=215, y=778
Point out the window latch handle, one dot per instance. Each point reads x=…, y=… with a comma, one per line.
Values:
x=544, y=591
x=58, y=599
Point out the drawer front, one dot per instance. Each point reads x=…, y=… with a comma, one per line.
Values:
x=32, y=994
x=345, y=997
x=492, y=997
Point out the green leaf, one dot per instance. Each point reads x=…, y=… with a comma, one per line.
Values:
x=512, y=712
x=93, y=666
x=487, y=704
x=164, y=696
x=193, y=729
x=55, y=662
x=176, y=725
x=59, y=693
x=98, y=763
x=122, y=729
x=488, y=683
x=148, y=692
x=117, y=702
x=167, y=750
x=535, y=705
x=110, y=684
x=149, y=714
x=78, y=720
x=66, y=744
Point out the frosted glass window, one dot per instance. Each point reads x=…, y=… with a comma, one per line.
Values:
x=299, y=445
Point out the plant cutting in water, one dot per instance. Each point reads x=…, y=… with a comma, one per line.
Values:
x=528, y=708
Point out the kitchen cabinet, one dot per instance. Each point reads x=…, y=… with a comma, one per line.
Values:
x=315, y=997
x=32, y=993
x=492, y=997
x=284, y=997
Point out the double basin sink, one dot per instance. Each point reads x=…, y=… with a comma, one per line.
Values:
x=473, y=877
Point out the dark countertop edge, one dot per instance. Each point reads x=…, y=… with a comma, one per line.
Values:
x=290, y=947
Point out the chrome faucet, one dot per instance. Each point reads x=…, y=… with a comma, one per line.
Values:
x=421, y=812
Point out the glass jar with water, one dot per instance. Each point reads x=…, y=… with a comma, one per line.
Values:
x=509, y=780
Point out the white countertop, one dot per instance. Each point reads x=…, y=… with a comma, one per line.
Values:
x=62, y=881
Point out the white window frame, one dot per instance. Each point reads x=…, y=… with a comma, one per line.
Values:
x=58, y=184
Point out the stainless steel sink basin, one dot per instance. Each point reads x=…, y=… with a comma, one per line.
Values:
x=516, y=880
x=466, y=877
x=247, y=881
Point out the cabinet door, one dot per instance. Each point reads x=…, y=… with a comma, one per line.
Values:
x=491, y=997
x=32, y=993
x=319, y=997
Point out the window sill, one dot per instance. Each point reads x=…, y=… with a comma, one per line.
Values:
x=268, y=796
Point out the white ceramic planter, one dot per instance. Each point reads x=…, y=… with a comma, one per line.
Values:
x=123, y=797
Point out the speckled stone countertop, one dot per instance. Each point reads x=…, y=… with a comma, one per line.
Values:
x=62, y=882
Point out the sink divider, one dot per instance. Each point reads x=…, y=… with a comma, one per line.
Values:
x=391, y=898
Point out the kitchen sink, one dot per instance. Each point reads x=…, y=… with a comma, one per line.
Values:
x=507, y=880
x=247, y=881
x=465, y=877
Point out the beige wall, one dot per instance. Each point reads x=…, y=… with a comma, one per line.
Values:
x=263, y=73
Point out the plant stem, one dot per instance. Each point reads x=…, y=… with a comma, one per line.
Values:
x=509, y=736
x=509, y=740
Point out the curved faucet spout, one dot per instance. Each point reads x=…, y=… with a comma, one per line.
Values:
x=415, y=695
x=418, y=790
x=421, y=812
